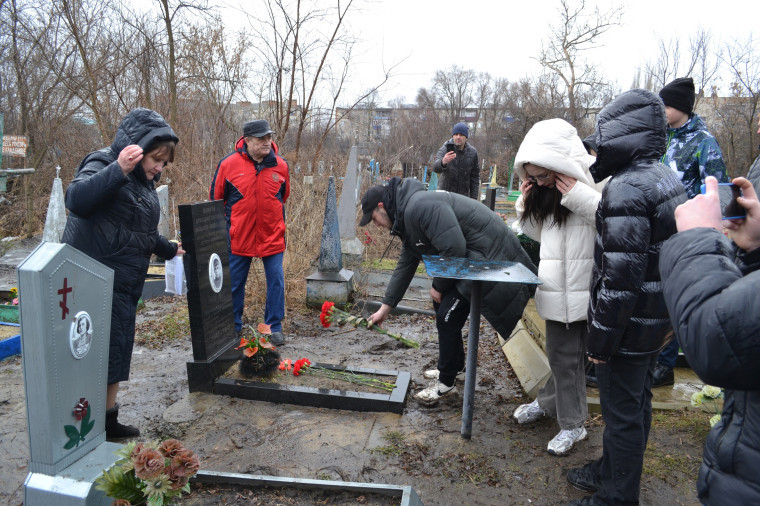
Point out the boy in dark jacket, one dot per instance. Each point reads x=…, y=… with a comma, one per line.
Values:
x=710, y=289
x=628, y=322
x=446, y=224
x=693, y=154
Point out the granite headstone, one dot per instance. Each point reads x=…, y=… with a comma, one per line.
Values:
x=209, y=292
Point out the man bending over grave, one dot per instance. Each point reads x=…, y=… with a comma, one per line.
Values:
x=450, y=225
x=113, y=218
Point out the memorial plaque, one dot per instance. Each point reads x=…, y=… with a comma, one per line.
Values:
x=65, y=311
x=209, y=291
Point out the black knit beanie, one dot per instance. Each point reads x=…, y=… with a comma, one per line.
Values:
x=679, y=94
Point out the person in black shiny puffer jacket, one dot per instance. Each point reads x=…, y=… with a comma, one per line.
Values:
x=113, y=218
x=628, y=320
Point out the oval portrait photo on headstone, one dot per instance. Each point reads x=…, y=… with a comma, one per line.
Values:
x=80, y=335
x=215, y=273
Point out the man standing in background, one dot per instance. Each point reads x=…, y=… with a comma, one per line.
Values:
x=457, y=160
x=693, y=153
x=254, y=183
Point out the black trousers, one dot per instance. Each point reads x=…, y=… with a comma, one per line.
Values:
x=625, y=395
x=450, y=316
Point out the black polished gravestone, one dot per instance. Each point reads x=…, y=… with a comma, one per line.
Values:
x=209, y=293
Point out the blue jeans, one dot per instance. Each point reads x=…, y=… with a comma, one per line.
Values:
x=274, y=310
x=669, y=354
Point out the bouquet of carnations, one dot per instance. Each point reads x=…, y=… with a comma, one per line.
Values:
x=259, y=355
x=152, y=473
x=331, y=314
x=304, y=366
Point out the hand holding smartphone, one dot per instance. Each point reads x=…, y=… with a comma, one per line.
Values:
x=729, y=207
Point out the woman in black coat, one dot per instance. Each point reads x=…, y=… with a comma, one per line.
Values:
x=113, y=217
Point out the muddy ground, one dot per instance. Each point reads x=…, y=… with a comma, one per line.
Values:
x=502, y=464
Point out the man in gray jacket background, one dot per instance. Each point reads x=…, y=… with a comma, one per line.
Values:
x=446, y=224
x=457, y=161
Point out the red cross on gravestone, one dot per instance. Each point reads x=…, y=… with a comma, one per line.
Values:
x=64, y=292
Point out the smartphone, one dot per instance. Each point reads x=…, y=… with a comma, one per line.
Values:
x=729, y=207
x=450, y=146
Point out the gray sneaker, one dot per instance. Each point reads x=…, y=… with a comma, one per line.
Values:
x=434, y=374
x=528, y=413
x=565, y=440
x=277, y=338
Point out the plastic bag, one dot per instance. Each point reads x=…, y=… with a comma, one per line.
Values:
x=174, y=274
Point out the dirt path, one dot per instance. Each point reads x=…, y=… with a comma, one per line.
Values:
x=502, y=463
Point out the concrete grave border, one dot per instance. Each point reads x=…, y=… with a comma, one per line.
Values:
x=321, y=397
x=407, y=494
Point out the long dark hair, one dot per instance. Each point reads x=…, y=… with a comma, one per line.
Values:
x=543, y=203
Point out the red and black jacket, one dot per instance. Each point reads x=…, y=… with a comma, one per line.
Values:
x=254, y=196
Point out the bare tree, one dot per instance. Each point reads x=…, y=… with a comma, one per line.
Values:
x=737, y=114
x=701, y=61
x=305, y=53
x=169, y=12
x=453, y=89
x=577, y=32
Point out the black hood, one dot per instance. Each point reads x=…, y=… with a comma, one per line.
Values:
x=398, y=193
x=145, y=128
x=629, y=129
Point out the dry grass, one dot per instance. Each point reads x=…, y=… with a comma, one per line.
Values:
x=189, y=182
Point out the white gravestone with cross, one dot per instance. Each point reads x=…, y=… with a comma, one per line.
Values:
x=65, y=310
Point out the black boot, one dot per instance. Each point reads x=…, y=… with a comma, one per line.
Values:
x=663, y=376
x=115, y=430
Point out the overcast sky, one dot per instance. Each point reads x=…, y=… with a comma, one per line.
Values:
x=502, y=37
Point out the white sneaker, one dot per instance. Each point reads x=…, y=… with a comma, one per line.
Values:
x=565, y=440
x=435, y=391
x=527, y=413
x=434, y=374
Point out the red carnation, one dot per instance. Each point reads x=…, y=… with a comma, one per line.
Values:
x=326, y=315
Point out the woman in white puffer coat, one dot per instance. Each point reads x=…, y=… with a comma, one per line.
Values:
x=557, y=208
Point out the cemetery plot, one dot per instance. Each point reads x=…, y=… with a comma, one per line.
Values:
x=310, y=389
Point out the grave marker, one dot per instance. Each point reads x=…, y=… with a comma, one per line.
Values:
x=163, y=204
x=350, y=246
x=330, y=281
x=65, y=310
x=209, y=292
x=55, y=220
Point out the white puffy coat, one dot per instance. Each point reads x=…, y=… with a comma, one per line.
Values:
x=567, y=252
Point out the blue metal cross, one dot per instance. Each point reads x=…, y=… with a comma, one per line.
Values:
x=476, y=271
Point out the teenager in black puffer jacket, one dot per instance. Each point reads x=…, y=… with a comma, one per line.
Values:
x=628, y=321
x=113, y=218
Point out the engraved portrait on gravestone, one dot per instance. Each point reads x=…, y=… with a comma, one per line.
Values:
x=215, y=274
x=80, y=335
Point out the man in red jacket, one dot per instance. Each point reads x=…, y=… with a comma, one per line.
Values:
x=254, y=183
